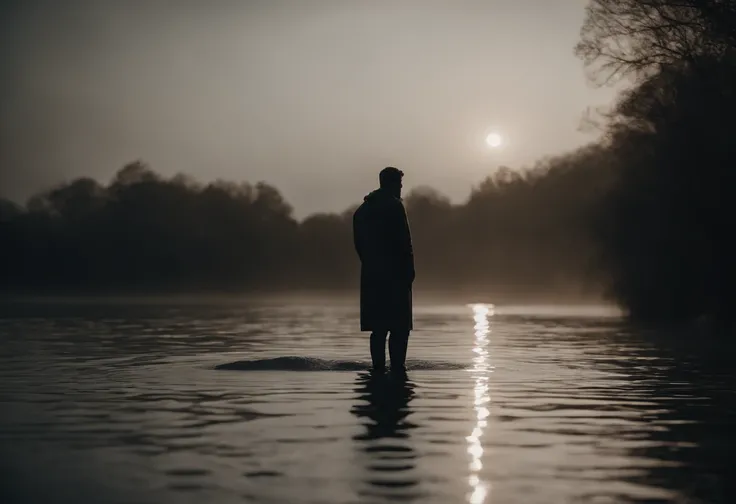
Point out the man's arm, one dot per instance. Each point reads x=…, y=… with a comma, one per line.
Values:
x=356, y=236
x=406, y=248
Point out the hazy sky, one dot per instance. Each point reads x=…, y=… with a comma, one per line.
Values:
x=313, y=96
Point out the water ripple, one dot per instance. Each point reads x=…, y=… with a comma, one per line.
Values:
x=126, y=403
x=294, y=363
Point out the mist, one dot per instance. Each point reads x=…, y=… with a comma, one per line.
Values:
x=174, y=147
x=310, y=97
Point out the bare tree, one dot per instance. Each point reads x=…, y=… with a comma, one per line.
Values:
x=638, y=37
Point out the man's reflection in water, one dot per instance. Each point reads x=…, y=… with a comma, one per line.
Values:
x=383, y=400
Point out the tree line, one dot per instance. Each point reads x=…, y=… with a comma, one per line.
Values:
x=517, y=232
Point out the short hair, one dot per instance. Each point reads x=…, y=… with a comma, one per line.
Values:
x=390, y=175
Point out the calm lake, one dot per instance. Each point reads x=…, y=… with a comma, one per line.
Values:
x=184, y=402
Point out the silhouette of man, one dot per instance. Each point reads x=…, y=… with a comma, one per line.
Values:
x=383, y=243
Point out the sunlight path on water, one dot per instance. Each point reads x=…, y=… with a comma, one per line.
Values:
x=480, y=371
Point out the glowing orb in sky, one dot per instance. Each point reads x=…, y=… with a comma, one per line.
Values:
x=494, y=140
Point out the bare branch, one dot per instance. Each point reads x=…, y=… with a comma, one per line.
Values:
x=636, y=37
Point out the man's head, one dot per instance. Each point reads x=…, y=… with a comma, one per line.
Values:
x=390, y=180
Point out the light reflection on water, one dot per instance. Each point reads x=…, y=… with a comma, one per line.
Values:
x=123, y=403
x=480, y=370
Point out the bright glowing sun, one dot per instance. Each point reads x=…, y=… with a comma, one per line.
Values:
x=494, y=140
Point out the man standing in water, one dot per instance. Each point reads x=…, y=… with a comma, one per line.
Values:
x=383, y=243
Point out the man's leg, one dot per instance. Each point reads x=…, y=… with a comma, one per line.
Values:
x=397, y=346
x=378, y=350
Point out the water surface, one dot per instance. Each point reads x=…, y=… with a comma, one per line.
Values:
x=272, y=403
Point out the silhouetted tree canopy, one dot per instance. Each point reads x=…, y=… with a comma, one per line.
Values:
x=664, y=226
x=517, y=233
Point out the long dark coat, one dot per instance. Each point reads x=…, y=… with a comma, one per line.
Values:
x=383, y=243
